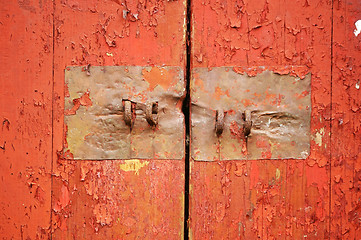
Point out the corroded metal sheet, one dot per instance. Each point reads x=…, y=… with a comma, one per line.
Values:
x=94, y=112
x=280, y=107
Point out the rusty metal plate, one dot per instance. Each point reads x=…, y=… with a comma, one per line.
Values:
x=279, y=108
x=95, y=112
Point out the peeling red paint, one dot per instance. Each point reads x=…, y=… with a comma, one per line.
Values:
x=345, y=131
x=46, y=196
x=106, y=201
x=25, y=119
x=297, y=71
x=270, y=199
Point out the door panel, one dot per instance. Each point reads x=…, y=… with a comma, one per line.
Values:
x=266, y=199
x=26, y=54
x=50, y=191
x=345, y=134
x=115, y=199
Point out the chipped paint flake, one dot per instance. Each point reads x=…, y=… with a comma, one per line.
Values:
x=278, y=174
x=318, y=137
x=133, y=165
x=358, y=28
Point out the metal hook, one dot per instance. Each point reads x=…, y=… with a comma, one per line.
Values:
x=247, y=123
x=219, y=122
x=129, y=113
x=151, y=113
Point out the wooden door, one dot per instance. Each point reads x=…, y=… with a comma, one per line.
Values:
x=26, y=60
x=287, y=198
x=47, y=193
x=137, y=198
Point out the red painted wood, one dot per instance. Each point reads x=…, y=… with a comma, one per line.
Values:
x=116, y=199
x=315, y=198
x=346, y=122
x=25, y=119
x=268, y=199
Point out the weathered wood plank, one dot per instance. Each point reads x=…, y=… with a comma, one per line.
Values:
x=116, y=199
x=26, y=55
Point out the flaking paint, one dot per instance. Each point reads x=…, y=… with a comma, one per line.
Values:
x=266, y=199
x=133, y=165
x=314, y=198
x=118, y=198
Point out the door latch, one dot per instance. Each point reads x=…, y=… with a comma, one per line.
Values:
x=124, y=112
x=236, y=116
x=150, y=109
x=220, y=122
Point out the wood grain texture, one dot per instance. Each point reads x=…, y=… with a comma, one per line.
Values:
x=134, y=199
x=44, y=196
x=26, y=53
x=346, y=122
x=268, y=199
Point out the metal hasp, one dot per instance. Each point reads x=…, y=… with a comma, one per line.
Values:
x=124, y=112
x=266, y=116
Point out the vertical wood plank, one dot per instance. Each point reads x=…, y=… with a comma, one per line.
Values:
x=116, y=199
x=307, y=42
x=269, y=199
x=346, y=122
x=26, y=54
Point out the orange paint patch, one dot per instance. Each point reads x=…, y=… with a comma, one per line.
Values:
x=296, y=71
x=82, y=101
x=68, y=155
x=198, y=82
x=239, y=70
x=236, y=131
x=302, y=95
x=246, y=102
x=218, y=93
x=265, y=146
x=159, y=76
x=66, y=91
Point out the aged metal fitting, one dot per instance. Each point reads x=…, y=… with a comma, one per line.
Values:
x=219, y=122
x=279, y=113
x=151, y=113
x=247, y=123
x=129, y=113
x=115, y=113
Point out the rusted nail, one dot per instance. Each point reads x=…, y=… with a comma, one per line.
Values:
x=247, y=123
x=151, y=113
x=219, y=122
x=129, y=113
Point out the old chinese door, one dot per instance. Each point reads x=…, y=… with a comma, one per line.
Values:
x=57, y=186
x=110, y=194
x=114, y=126
x=255, y=186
